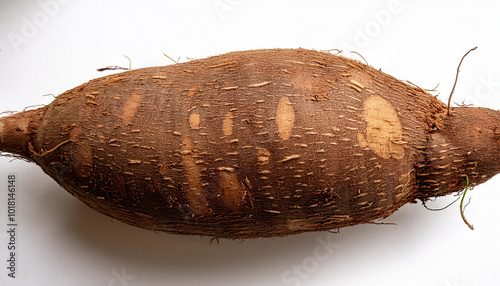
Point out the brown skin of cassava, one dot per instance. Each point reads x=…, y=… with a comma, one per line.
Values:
x=254, y=144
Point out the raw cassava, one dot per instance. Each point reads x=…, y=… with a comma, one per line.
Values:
x=254, y=144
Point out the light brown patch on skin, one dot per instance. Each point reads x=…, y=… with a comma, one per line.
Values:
x=303, y=81
x=194, y=194
x=82, y=160
x=194, y=120
x=192, y=92
x=231, y=190
x=285, y=118
x=360, y=80
x=227, y=124
x=297, y=224
x=82, y=156
x=130, y=107
x=22, y=124
x=74, y=133
x=362, y=140
x=383, y=130
x=263, y=156
x=310, y=84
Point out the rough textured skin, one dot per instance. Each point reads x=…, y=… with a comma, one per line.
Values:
x=256, y=143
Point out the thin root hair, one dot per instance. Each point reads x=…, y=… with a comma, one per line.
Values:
x=456, y=78
x=366, y=62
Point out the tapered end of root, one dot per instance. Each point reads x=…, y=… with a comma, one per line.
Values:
x=17, y=131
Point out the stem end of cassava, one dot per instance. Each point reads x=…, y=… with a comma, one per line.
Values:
x=17, y=130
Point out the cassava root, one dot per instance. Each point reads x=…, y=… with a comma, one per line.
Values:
x=255, y=144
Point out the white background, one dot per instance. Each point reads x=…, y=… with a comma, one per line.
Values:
x=49, y=46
